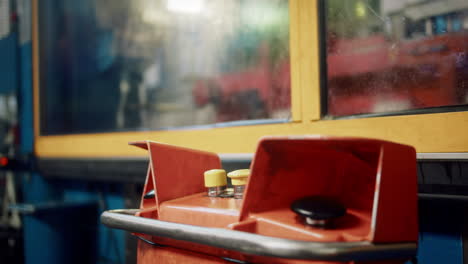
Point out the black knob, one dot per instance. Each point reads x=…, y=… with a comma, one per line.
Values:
x=318, y=210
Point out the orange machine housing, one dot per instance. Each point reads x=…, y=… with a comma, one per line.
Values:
x=376, y=181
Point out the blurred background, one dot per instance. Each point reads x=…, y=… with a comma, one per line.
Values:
x=111, y=66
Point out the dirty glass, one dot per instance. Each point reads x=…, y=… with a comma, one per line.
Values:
x=393, y=55
x=113, y=65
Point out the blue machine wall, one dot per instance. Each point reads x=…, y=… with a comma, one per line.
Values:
x=61, y=219
x=8, y=64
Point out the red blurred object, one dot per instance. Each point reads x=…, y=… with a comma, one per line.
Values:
x=4, y=161
x=357, y=56
x=14, y=17
x=375, y=180
x=252, y=93
x=373, y=74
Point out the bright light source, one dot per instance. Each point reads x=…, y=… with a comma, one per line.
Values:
x=361, y=9
x=185, y=6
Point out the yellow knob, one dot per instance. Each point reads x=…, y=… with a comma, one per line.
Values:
x=215, y=178
x=239, y=177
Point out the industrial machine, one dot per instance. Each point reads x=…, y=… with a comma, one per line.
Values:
x=216, y=76
x=306, y=199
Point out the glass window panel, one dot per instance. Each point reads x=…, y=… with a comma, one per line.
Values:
x=112, y=65
x=394, y=55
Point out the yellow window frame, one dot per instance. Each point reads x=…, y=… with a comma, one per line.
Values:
x=429, y=133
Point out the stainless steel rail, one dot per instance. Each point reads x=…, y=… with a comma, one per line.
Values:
x=253, y=244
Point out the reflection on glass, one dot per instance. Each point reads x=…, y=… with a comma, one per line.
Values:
x=393, y=55
x=110, y=65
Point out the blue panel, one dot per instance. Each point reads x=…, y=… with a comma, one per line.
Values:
x=441, y=227
x=8, y=64
x=60, y=235
x=25, y=100
x=69, y=228
x=36, y=190
x=111, y=241
x=38, y=232
x=63, y=235
x=440, y=248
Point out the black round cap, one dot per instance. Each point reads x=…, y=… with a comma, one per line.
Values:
x=318, y=207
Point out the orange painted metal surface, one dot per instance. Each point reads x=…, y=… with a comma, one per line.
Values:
x=375, y=180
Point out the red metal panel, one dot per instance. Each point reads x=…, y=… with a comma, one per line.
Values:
x=375, y=180
x=177, y=171
x=287, y=169
x=396, y=212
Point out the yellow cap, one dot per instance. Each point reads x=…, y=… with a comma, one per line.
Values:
x=239, y=177
x=215, y=178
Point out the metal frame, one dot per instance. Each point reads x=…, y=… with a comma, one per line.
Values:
x=259, y=245
x=443, y=156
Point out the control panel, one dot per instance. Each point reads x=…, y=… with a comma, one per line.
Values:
x=310, y=199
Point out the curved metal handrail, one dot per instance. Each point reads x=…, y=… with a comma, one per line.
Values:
x=259, y=245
